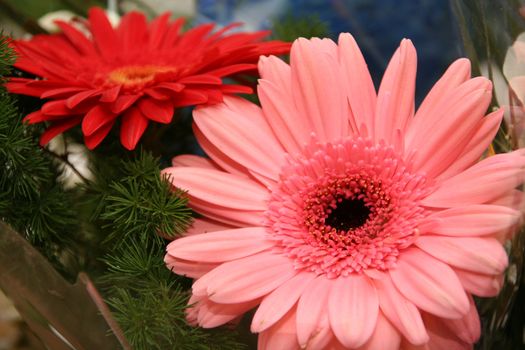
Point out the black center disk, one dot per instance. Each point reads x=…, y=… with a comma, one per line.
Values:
x=348, y=215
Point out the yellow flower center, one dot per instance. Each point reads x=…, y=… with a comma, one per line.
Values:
x=133, y=77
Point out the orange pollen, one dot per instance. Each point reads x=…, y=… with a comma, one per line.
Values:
x=133, y=77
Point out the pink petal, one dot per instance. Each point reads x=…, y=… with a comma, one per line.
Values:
x=317, y=89
x=483, y=255
x=219, y=188
x=311, y=310
x=450, y=126
x=478, y=143
x=472, y=220
x=192, y=269
x=228, y=216
x=281, y=335
x=512, y=199
x=493, y=177
x=385, y=336
x=192, y=160
x=405, y=345
x=278, y=108
x=275, y=305
x=353, y=308
x=456, y=74
x=468, y=328
x=482, y=285
x=402, y=313
x=243, y=135
x=335, y=345
x=221, y=246
x=324, y=336
x=134, y=123
x=221, y=159
x=430, y=284
x=277, y=72
x=454, y=80
x=441, y=337
x=361, y=92
x=211, y=315
x=248, y=278
x=395, y=98
x=205, y=225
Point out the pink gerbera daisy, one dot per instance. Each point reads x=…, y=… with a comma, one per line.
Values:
x=347, y=219
x=137, y=72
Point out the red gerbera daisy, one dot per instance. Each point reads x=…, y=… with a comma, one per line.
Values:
x=137, y=71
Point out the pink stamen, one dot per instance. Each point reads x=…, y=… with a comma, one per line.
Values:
x=344, y=207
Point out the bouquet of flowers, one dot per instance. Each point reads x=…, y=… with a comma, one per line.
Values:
x=186, y=187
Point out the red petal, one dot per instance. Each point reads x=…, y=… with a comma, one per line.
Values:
x=58, y=128
x=232, y=69
x=76, y=99
x=133, y=126
x=220, y=32
x=24, y=62
x=159, y=94
x=194, y=36
x=53, y=84
x=236, y=89
x=175, y=87
x=19, y=87
x=61, y=92
x=172, y=34
x=111, y=94
x=190, y=97
x=157, y=30
x=104, y=35
x=158, y=111
x=35, y=117
x=57, y=107
x=214, y=95
x=96, y=118
x=201, y=79
x=240, y=39
x=132, y=31
x=31, y=87
x=123, y=102
x=38, y=116
x=48, y=58
x=96, y=138
x=76, y=38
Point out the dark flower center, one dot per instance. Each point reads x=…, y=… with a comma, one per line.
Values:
x=350, y=213
x=344, y=207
